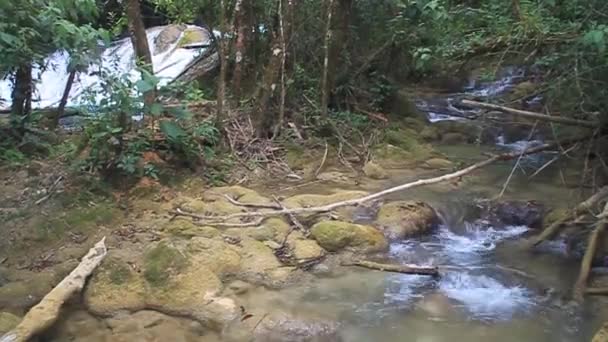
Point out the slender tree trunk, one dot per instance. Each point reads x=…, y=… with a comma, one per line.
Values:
x=279, y=125
x=137, y=32
x=338, y=42
x=221, y=85
x=64, y=100
x=21, y=98
x=324, y=85
x=263, y=119
x=239, y=46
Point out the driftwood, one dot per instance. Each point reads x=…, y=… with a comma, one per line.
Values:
x=581, y=209
x=406, y=269
x=45, y=313
x=531, y=115
x=377, y=195
x=596, y=291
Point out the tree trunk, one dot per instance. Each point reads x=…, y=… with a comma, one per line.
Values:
x=338, y=42
x=324, y=85
x=240, y=47
x=21, y=98
x=263, y=119
x=137, y=32
x=279, y=125
x=221, y=85
x=64, y=100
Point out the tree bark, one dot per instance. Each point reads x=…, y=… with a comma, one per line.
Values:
x=592, y=246
x=21, y=97
x=137, y=32
x=324, y=84
x=281, y=118
x=240, y=47
x=64, y=100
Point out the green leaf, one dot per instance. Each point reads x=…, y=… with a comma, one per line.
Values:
x=156, y=109
x=144, y=86
x=172, y=130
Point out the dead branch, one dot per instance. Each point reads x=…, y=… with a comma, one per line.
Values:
x=602, y=334
x=232, y=225
x=323, y=160
x=45, y=313
x=596, y=291
x=581, y=282
x=406, y=269
x=531, y=115
x=581, y=209
x=374, y=196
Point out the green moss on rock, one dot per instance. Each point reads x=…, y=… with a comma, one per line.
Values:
x=8, y=321
x=336, y=235
x=161, y=262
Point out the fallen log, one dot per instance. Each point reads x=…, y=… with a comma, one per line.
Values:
x=531, y=115
x=377, y=195
x=581, y=209
x=45, y=313
x=596, y=291
x=594, y=240
x=406, y=269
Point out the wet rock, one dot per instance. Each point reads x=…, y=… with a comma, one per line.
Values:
x=438, y=163
x=153, y=326
x=167, y=37
x=404, y=219
x=238, y=287
x=336, y=235
x=374, y=171
x=280, y=326
x=454, y=138
x=8, y=321
x=336, y=177
x=194, y=35
x=79, y=326
x=436, y=305
x=471, y=132
x=516, y=213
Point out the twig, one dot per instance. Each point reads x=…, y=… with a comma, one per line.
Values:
x=504, y=187
x=50, y=191
x=380, y=194
x=406, y=269
x=323, y=160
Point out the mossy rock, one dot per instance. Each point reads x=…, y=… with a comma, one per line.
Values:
x=452, y=138
x=77, y=220
x=393, y=157
x=430, y=134
x=161, y=262
x=410, y=141
x=190, y=292
x=187, y=229
x=8, y=322
x=403, y=219
x=193, y=35
x=28, y=291
x=438, y=164
x=403, y=106
x=374, y=171
x=239, y=193
x=337, y=235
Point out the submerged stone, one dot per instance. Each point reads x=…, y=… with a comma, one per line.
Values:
x=405, y=219
x=336, y=235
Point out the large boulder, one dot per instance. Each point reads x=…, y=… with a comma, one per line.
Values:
x=404, y=219
x=167, y=37
x=172, y=280
x=515, y=213
x=337, y=235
